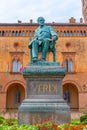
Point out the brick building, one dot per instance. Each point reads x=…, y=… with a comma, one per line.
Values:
x=71, y=52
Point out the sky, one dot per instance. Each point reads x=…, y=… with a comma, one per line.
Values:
x=52, y=10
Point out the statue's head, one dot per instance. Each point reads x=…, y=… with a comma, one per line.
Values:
x=41, y=21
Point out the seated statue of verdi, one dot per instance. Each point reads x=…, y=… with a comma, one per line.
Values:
x=44, y=38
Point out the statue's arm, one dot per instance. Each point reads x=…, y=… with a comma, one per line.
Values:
x=31, y=40
x=36, y=34
x=53, y=34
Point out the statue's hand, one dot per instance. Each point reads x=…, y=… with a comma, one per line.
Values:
x=54, y=38
x=51, y=45
x=30, y=43
x=30, y=39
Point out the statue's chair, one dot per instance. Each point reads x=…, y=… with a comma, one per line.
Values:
x=51, y=49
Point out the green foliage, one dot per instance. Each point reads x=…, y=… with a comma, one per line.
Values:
x=75, y=122
x=83, y=118
x=18, y=127
x=64, y=126
x=12, y=124
x=11, y=121
x=85, y=110
x=46, y=125
x=2, y=120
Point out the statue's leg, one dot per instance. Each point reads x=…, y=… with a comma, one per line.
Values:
x=54, y=55
x=45, y=47
x=34, y=51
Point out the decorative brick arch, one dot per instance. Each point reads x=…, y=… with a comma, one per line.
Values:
x=73, y=90
x=14, y=82
x=73, y=82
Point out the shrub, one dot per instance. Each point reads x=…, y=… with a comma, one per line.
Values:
x=75, y=122
x=11, y=121
x=83, y=118
x=2, y=120
x=46, y=125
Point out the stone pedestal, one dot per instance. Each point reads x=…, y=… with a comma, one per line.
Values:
x=43, y=94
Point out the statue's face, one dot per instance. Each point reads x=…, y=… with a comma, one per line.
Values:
x=41, y=21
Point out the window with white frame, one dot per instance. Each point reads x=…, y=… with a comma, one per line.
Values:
x=16, y=65
x=69, y=65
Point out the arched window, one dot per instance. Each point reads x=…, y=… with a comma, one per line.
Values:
x=66, y=65
x=80, y=33
x=23, y=33
x=3, y=33
x=65, y=33
x=68, y=33
x=0, y=33
x=13, y=33
x=20, y=33
x=16, y=66
x=17, y=96
x=19, y=65
x=67, y=96
x=69, y=65
x=16, y=33
x=61, y=33
x=84, y=33
x=71, y=34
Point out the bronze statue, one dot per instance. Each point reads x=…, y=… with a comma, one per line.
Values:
x=44, y=38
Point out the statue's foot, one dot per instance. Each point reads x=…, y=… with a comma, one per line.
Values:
x=43, y=60
x=35, y=59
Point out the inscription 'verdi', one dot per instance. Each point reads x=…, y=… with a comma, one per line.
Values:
x=47, y=88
